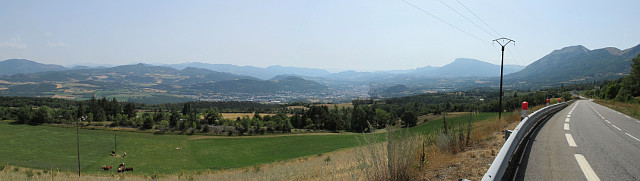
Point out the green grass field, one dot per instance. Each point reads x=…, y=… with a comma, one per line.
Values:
x=454, y=122
x=47, y=147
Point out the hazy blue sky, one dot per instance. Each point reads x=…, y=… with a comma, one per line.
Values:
x=330, y=34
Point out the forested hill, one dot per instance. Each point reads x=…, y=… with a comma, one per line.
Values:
x=577, y=64
x=23, y=66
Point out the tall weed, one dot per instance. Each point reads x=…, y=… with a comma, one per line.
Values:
x=390, y=160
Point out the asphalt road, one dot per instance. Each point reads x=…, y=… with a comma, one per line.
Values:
x=585, y=141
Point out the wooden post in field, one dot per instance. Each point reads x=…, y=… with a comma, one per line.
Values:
x=78, y=141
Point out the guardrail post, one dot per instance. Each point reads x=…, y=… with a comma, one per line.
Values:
x=507, y=133
x=525, y=106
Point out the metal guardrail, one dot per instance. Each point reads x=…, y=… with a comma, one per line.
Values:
x=502, y=161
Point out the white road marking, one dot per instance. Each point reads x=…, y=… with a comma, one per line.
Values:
x=570, y=140
x=567, y=120
x=616, y=127
x=627, y=117
x=632, y=136
x=586, y=168
x=638, y=121
x=568, y=115
x=566, y=126
x=607, y=121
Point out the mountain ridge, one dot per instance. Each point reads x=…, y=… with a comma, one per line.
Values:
x=24, y=66
x=578, y=64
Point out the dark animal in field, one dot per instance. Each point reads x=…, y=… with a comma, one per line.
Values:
x=129, y=169
x=104, y=167
x=120, y=169
x=113, y=152
x=121, y=165
x=125, y=154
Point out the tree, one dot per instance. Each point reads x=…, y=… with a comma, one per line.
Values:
x=96, y=107
x=173, y=120
x=612, y=90
x=186, y=109
x=335, y=121
x=158, y=116
x=359, y=122
x=244, y=123
x=100, y=115
x=115, y=107
x=282, y=122
x=213, y=116
x=631, y=83
x=409, y=119
x=130, y=110
x=24, y=114
x=163, y=125
x=43, y=115
x=148, y=123
x=80, y=111
x=297, y=121
x=382, y=118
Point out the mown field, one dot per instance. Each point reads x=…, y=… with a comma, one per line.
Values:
x=47, y=147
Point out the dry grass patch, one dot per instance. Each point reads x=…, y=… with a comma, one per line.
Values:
x=471, y=162
x=630, y=109
x=64, y=96
x=234, y=116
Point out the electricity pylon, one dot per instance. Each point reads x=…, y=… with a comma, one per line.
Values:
x=503, y=42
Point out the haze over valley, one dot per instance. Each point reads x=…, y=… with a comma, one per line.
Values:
x=224, y=82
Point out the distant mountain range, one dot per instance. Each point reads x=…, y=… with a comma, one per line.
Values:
x=461, y=67
x=141, y=82
x=575, y=64
x=261, y=73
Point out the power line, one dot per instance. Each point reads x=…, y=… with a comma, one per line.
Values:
x=474, y=14
x=454, y=10
x=434, y=16
x=517, y=55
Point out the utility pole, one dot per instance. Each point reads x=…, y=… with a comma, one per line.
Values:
x=503, y=42
x=78, y=141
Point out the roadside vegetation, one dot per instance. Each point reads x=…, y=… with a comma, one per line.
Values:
x=623, y=94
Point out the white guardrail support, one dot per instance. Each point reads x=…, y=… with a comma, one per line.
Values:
x=501, y=162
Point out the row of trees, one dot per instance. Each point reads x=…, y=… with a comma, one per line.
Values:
x=194, y=117
x=625, y=89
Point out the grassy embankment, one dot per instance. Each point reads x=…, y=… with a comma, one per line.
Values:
x=630, y=109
